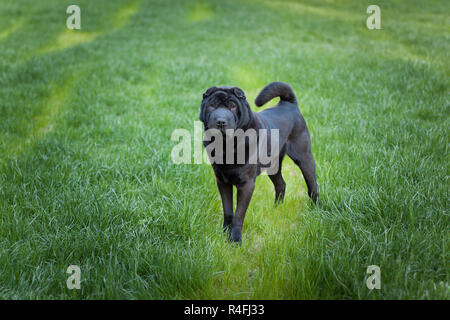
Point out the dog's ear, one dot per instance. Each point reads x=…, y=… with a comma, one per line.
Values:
x=202, y=112
x=238, y=92
x=245, y=115
x=202, y=108
x=209, y=92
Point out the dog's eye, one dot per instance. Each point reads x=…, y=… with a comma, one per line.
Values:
x=232, y=105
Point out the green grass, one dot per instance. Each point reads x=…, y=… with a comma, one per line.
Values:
x=85, y=170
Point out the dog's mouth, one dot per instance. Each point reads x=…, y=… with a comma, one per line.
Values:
x=227, y=133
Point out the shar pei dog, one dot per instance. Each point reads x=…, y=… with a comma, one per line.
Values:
x=237, y=140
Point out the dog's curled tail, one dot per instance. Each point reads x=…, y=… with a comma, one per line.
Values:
x=276, y=89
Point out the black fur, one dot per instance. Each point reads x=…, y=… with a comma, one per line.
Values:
x=227, y=108
x=276, y=89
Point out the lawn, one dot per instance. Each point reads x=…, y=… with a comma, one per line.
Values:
x=86, y=176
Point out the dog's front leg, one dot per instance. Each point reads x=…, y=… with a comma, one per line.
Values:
x=226, y=193
x=244, y=194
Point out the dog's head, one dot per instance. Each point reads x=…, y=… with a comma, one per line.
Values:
x=225, y=108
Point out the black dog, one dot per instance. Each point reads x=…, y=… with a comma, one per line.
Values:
x=225, y=108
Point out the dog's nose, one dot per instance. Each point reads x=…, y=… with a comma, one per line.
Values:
x=221, y=123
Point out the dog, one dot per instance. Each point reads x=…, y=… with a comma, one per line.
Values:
x=225, y=109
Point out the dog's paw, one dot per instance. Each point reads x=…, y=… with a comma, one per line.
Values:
x=227, y=225
x=235, y=235
x=278, y=201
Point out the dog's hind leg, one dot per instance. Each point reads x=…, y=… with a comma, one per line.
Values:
x=278, y=182
x=298, y=148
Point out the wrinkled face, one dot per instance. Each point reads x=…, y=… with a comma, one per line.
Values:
x=224, y=108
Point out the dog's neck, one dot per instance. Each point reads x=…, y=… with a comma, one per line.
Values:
x=254, y=122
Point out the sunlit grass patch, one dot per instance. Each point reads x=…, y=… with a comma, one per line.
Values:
x=12, y=28
x=248, y=79
x=200, y=11
x=69, y=38
x=248, y=271
x=45, y=121
x=324, y=11
x=124, y=14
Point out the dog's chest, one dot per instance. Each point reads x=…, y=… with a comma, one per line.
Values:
x=235, y=174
